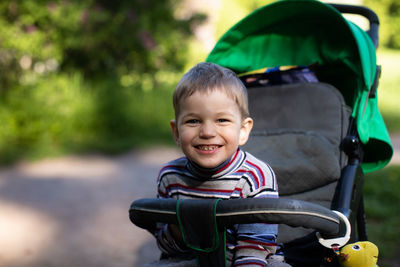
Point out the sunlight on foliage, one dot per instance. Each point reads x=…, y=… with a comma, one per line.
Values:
x=232, y=11
x=388, y=12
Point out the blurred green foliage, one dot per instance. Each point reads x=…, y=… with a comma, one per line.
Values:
x=90, y=75
x=235, y=10
x=97, y=37
x=65, y=114
x=388, y=12
x=388, y=90
x=383, y=212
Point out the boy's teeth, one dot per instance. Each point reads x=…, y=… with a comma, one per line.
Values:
x=208, y=148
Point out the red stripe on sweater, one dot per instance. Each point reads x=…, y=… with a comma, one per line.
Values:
x=230, y=162
x=253, y=174
x=259, y=169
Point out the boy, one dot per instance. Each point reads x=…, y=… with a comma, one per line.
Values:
x=211, y=123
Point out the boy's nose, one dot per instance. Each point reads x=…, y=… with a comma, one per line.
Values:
x=207, y=130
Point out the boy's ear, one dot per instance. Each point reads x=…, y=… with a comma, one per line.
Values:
x=174, y=130
x=245, y=130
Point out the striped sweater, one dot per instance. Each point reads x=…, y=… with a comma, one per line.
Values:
x=242, y=176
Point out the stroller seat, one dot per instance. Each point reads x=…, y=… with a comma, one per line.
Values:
x=298, y=129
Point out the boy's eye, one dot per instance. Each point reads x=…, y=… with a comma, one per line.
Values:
x=223, y=120
x=192, y=121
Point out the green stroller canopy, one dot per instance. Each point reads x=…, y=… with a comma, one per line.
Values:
x=311, y=33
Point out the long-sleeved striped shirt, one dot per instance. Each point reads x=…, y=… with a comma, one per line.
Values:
x=242, y=176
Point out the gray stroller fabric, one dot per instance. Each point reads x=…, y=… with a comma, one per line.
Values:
x=315, y=107
x=298, y=129
x=302, y=161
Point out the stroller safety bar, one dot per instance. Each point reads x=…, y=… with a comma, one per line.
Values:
x=333, y=228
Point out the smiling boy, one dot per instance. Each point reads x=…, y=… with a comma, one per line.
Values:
x=211, y=123
x=209, y=128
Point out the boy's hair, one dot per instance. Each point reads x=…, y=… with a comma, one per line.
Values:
x=206, y=77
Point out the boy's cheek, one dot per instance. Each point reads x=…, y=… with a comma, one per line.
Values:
x=186, y=132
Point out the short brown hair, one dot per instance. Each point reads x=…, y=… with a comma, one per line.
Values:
x=206, y=77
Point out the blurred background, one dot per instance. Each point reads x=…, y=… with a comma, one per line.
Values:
x=85, y=89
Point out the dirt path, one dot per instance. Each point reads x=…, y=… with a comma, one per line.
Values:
x=73, y=211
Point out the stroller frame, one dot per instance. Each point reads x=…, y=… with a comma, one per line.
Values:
x=343, y=222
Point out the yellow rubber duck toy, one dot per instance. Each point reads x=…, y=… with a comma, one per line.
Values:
x=359, y=254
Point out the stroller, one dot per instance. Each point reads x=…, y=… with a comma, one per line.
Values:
x=312, y=83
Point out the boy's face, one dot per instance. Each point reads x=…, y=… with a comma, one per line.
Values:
x=209, y=128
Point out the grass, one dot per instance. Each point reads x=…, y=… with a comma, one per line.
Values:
x=383, y=212
x=64, y=114
x=388, y=91
x=382, y=187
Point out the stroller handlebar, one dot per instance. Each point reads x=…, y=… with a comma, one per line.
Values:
x=373, y=19
x=330, y=225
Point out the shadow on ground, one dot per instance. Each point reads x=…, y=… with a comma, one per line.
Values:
x=74, y=211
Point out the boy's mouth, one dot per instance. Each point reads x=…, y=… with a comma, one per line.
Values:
x=208, y=147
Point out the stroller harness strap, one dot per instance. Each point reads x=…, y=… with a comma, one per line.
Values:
x=200, y=232
x=198, y=224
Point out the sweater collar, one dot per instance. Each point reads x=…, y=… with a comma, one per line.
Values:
x=224, y=168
